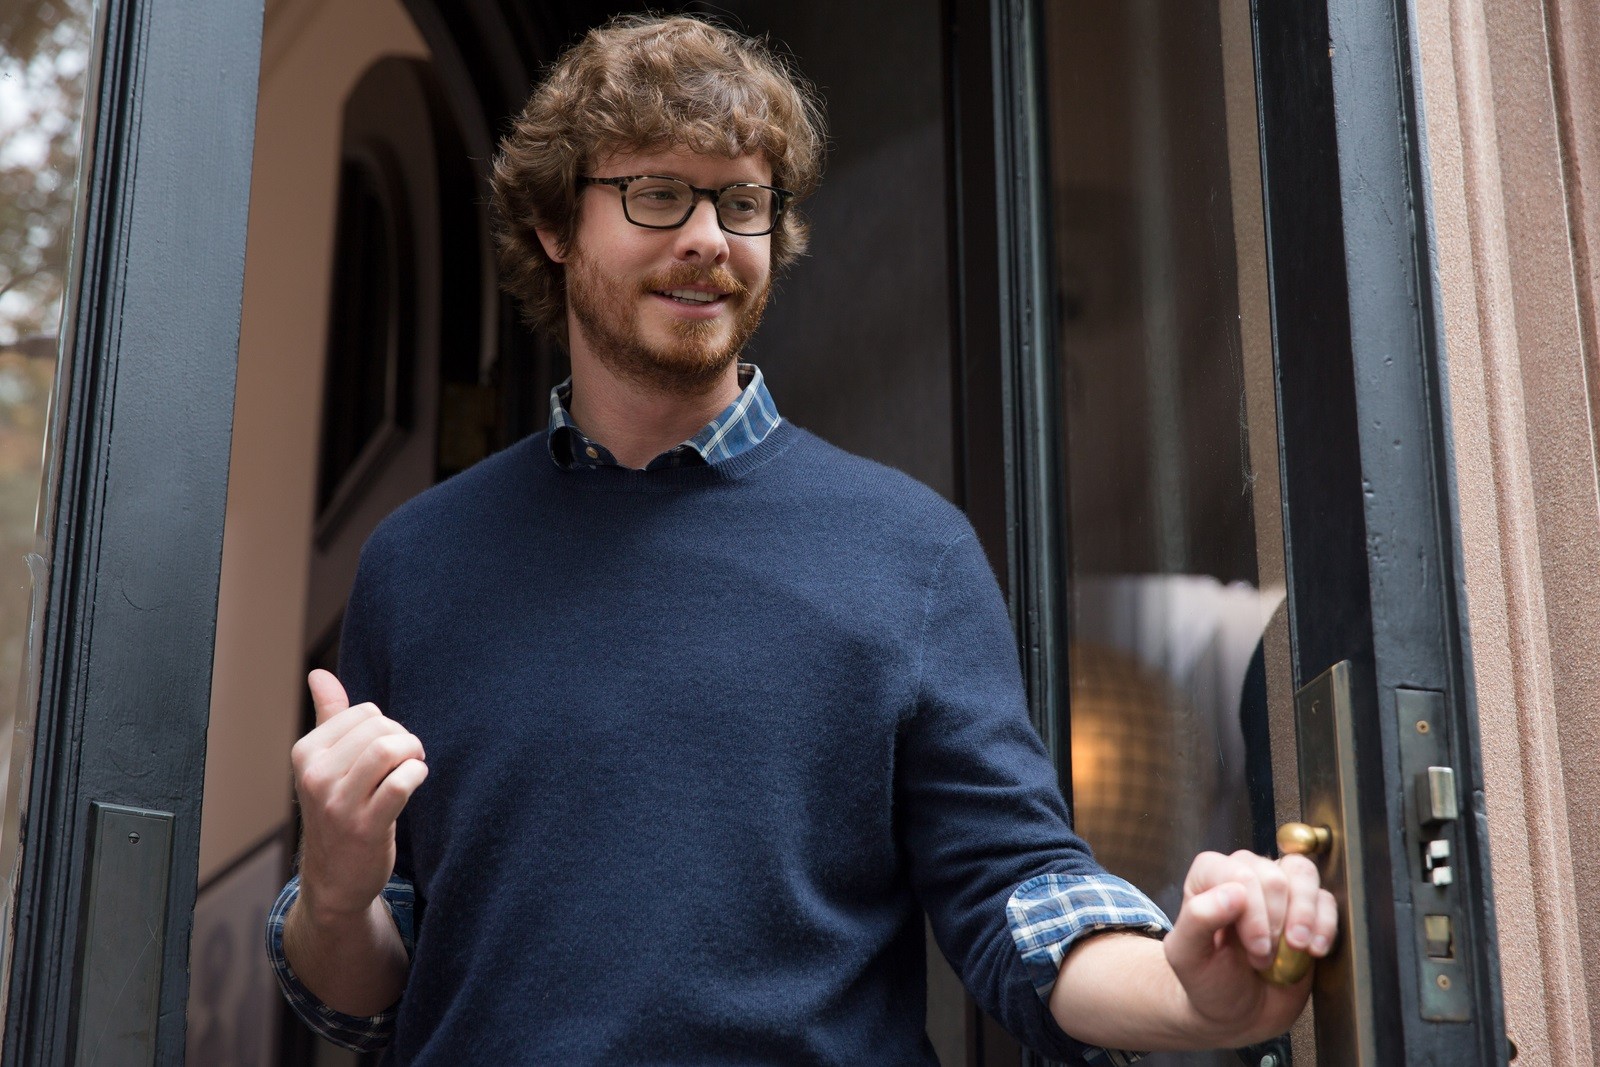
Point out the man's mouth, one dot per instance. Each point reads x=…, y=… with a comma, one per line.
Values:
x=690, y=296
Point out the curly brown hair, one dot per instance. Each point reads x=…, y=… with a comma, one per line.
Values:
x=643, y=83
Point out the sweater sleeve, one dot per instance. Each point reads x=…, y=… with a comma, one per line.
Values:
x=980, y=807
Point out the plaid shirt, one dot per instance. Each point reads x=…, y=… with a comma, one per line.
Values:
x=739, y=427
x=363, y=1033
x=1047, y=915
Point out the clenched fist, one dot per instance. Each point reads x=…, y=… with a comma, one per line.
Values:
x=353, y=774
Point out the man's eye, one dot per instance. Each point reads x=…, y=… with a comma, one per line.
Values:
x=658, y=195
x=743, y=205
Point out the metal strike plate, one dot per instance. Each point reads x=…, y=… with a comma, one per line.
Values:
x=1433, y=813
x=124, y=934
x=1342, y=987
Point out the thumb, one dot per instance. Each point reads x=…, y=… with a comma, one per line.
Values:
x=1193, y=938
x=327, y=695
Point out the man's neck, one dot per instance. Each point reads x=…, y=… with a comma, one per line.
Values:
x=637, y=423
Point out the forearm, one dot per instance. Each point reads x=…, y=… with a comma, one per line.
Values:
x=354, y=963
x=1116, y=990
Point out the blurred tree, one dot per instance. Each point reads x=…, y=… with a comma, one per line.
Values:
x=45, y=47
x=45, y=52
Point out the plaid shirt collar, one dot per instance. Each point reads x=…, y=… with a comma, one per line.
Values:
x=739, y=427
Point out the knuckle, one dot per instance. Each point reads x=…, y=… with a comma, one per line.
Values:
x=312, y=781
x=1245, y=864
x=396, y=747
x=1299, y=866
x=393, y=791
x=303, y=752
x=382, y=727
x=368, y=726
x=385, y=746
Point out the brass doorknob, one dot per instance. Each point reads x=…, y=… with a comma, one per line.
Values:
x=1301, y=839
x=1296, y=838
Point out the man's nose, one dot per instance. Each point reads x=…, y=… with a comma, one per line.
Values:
x=701, y=237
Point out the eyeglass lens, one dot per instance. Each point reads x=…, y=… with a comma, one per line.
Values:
x=742, y=209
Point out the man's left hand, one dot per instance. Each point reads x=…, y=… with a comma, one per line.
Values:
x=1201, y=987
x=1235, y=908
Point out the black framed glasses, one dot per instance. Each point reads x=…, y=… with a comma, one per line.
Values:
x=657, y=202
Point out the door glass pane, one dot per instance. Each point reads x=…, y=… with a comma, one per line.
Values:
x=1178, y=649
x=47, y=56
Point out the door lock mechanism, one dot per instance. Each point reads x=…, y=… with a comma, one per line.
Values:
x=1433, y=828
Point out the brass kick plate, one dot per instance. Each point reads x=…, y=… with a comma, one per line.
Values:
x=1342, y=987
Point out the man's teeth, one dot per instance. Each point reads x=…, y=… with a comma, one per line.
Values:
x=692, y=294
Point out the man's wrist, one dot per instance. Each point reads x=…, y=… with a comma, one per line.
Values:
x=1147, y=1009
x=324, y=914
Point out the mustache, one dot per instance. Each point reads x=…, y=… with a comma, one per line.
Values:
x=685, y=275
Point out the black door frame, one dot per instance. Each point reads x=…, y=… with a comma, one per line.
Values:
x=1003, y=387
x=1370, y=502
x=1367, y=475
x=131, y=612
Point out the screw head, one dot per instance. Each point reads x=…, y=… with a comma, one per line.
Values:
x=133, y=837
x=1443, y=981
x=1269, y=1060
x=1422, y=726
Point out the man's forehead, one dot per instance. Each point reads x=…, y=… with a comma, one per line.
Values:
x=697, y=168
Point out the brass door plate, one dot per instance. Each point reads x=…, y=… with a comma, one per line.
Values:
x=1342, y=986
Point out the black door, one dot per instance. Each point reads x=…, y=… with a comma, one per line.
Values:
x=1199, y=338
x=136, y=207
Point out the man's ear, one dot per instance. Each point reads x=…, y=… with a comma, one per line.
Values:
x=552, y=245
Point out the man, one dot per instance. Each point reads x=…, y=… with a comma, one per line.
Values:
x=709, y=712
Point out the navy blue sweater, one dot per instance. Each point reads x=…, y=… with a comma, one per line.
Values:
x=703, y=744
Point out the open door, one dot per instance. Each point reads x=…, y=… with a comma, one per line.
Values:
x=124, y=205
x=1376, y=592
x=1198, y=334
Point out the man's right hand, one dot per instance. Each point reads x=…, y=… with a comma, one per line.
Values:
x=353, y=774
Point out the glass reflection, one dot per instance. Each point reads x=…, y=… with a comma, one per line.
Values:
x=1175, y=580
x=47, y=51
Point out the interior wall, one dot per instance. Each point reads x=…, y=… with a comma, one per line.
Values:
x=313, y=52
x=1510, y=123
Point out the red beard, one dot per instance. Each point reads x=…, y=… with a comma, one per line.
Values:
x=692, y=361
